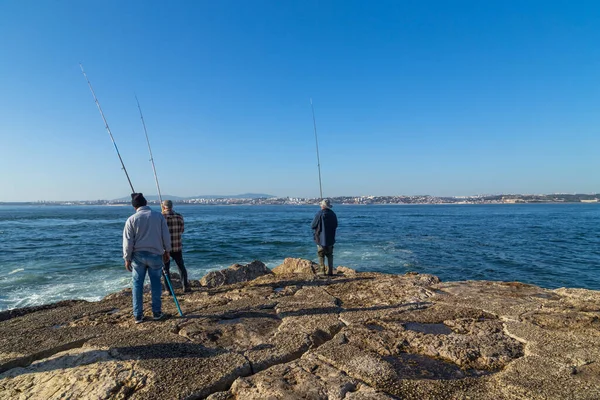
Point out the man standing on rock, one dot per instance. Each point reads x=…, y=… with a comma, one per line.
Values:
x=324, y=226
x=146, y=246
x=175, y=224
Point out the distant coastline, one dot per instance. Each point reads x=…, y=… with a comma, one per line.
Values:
x=346, y=200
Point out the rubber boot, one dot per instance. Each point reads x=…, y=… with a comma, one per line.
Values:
x=330, y=264
x=322, y=265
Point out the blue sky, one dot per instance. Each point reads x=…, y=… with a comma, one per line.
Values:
x=411, y=97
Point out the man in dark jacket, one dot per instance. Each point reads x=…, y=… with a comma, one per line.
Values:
x=324, y=226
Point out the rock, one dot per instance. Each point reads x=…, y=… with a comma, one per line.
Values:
x=296, y=266
x=175, y=280
x=307, y=378
x=8, y=314
x=366, y=336
x=235, y=274
x=345, y=270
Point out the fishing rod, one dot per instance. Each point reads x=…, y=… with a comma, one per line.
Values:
x=149, y=150
x=166, y=276
x=317, y=143
x=168, y=280
x=107, y=128
x=123, y=165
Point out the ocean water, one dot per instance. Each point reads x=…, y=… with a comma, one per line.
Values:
x=52, y=253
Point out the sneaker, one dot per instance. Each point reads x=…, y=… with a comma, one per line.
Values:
x=187, y=289
x=158, y=316
x=139, y=320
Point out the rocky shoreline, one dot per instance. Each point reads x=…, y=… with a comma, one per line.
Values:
x=252, y=333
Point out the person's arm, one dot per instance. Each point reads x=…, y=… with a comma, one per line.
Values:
x=315, y=223
x=166, y=239
x=128, y=240
x=182, y=224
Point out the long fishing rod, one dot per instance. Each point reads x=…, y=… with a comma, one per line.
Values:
x=166, y=276
x=107, y=128
x=317, y=143
x=149, y=150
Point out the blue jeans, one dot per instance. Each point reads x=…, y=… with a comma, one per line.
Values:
x=145, y=261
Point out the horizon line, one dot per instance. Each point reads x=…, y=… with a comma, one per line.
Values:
x=272, y=197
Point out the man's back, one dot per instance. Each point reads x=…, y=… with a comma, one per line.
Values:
x=176, y=228
x=325, y=224
x=146, y=230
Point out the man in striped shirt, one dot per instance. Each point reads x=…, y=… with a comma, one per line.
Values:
x=175, y=223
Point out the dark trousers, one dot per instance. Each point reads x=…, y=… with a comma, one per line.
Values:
x=178, y=257
x=322, y=252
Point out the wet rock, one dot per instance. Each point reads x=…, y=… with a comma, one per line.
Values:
x=8, y=314
x=235, y=274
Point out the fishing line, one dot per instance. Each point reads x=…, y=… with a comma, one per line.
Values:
x=107, y=128
x=317, y=143
x=149, y=150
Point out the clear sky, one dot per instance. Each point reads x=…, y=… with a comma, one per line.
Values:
x=411, y=97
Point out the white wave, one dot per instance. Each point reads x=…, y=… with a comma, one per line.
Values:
x=50, y=293
x=16, y=270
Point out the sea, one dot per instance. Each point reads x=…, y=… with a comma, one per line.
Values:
x=53, y=253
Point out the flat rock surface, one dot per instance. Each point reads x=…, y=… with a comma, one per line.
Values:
x=301, y=336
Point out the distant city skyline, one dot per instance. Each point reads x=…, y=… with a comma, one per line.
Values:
x=439, y=98
x=256, y=198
